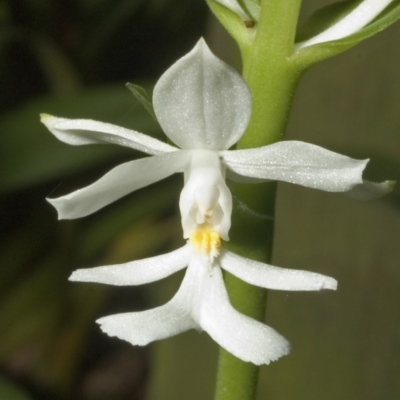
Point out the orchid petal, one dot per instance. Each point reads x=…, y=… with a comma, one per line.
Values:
x=78, y=132
x=270, y=277
x=371, y=190
x=242, y=336
x=117, y=183
x=297, y=162
x=141, y=328
x=136, y=272
x=201, y=102
x=357, y=19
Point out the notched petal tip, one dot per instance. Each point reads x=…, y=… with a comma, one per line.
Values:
x=53, y=202
x=329, y=283
x=284, y=350
x=109, y=327
x=61, y=207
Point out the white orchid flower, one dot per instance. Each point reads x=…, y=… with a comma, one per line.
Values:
x=203, y=106
x=202, y=302
x=354, y=21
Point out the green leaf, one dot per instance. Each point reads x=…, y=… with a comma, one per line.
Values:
x=30, y=155
x=321, y=51
x=141, y=94
x=10, y=391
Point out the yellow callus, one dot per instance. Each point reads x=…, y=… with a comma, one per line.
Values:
x=206, y=241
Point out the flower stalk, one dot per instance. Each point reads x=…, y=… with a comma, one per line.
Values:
x=268, y=71
x=272, y=70
x=272, y=80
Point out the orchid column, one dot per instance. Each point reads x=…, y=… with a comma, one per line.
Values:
x=273, y=63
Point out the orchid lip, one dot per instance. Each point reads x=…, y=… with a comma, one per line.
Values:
x=202, y=302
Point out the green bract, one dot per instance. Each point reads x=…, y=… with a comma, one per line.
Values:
x=323, y=18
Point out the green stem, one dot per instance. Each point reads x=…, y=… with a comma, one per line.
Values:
x=272, y=79
x=251, y=237
x=271, y=76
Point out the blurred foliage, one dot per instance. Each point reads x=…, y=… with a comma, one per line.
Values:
x=63, y=59
x=10, y=391
x=60, y=46
x=72, y=59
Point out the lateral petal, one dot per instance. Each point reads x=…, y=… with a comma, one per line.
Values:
x=117, y=183
x=136, y=272
x=201, y=102
x=78, y=132
x=299, y=163
x=242, y=336
x=270, y=277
